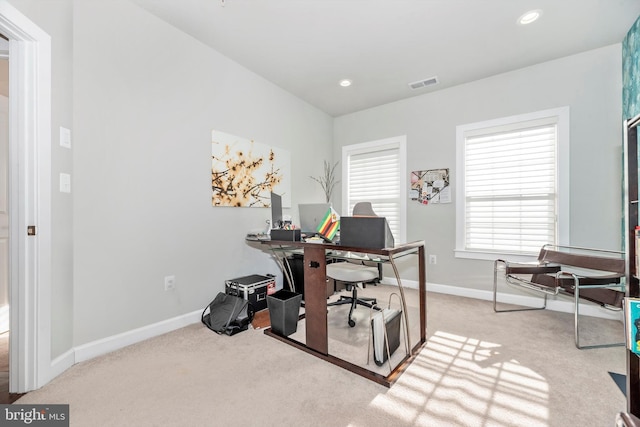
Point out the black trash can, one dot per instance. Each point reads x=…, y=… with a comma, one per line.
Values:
x=284, y=310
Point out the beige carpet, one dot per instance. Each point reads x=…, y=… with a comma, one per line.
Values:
x=478, y=369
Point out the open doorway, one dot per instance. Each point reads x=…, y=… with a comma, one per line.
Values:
x=5, y=396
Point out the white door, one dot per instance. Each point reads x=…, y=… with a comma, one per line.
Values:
x=4, y=213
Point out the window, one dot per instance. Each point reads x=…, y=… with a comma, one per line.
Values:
x=510, y=179
x=376, y=172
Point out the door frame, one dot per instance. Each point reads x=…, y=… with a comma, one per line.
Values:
x=29, y=200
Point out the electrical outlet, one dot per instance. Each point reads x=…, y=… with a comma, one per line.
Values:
x=169, y=283
x=433, y=259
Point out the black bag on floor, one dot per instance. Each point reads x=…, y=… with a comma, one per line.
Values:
x=227, y=314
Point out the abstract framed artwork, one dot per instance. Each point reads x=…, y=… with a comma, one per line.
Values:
x=245, y=172
x=430, y=186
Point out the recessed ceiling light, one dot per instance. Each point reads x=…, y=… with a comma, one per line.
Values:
x=529, y=17
x=345, y=82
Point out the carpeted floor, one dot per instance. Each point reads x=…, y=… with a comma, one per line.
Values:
x=479, y=368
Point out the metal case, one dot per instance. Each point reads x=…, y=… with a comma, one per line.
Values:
x=253, y=288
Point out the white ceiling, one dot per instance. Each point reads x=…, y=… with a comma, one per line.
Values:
x=307, y=46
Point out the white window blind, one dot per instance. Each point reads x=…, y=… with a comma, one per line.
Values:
x=510, y=187
x=375, y=173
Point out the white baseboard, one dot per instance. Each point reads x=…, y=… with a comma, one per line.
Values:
x=116, y=342
x=411, y=284
x=564, y=305
x=61, y=364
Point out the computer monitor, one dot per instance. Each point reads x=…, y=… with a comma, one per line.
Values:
x=310, y=216
x=368, y=232
x=276, y=210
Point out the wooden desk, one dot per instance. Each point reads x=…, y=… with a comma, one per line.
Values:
x=316, y=303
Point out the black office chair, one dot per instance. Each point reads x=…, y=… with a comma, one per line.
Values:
x=355, y=274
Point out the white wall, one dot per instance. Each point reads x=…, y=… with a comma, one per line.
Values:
x=589, y=83
x=146, y=97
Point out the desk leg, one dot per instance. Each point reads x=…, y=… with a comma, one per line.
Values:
x=422, y=272
x=404, y=305
x=315, y=299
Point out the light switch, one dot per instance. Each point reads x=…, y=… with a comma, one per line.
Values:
x=65, y=183
x=65, y=137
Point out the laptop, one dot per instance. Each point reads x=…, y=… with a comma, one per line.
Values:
x=311, y=214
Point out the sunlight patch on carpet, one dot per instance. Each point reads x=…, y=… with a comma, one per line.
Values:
x=462, y=378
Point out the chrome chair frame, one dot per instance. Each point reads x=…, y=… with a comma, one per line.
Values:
x=542, y=266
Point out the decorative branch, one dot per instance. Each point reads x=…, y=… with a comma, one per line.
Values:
x=328, y=180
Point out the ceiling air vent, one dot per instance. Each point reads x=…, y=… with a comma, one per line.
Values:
x=424, y=83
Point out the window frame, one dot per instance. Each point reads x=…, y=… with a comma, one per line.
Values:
x=562, y=115
x=399, y=142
